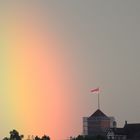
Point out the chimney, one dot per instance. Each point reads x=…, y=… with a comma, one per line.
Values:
x=125, y=122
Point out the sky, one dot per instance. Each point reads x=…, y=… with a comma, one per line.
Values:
x=52, y=53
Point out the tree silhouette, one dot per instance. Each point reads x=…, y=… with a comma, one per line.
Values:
x=14, y=135
x=5, y=138
x=45, y=138
x=37, y=138
x=98, y=137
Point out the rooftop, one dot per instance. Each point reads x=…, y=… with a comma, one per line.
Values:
x=98, y=113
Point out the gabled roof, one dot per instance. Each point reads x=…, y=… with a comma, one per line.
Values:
x=98, y=113
x=132, y=131
x=117, y=131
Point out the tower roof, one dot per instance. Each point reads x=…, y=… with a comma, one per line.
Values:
x=98, y=113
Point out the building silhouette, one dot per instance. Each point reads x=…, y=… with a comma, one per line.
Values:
x=97, y=124
x=128, y=132
x=101, y=124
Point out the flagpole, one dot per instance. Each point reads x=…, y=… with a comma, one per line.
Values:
x=98, y=101
x=96, y=90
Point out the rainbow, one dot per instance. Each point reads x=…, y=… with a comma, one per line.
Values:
x=32, y=83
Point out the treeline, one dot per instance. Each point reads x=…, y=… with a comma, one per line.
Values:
x=14, y=135
x=98, y=137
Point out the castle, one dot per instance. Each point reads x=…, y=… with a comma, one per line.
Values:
x=97, y=123
x=101, y=124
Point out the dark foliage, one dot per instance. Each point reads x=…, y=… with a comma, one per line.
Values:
x=99, y=137
x=14, y=135
x=43, y=138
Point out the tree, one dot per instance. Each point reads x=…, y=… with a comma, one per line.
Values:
x=5, y=138
x=37, y=138
x=14, y=135
x=98, y=137
x=45, y=138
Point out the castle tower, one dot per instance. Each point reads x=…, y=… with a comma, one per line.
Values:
x=97, y=124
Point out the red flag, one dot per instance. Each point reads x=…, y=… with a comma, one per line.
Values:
x=95, y=90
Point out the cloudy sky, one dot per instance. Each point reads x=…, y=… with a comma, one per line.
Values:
x=52, y=53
